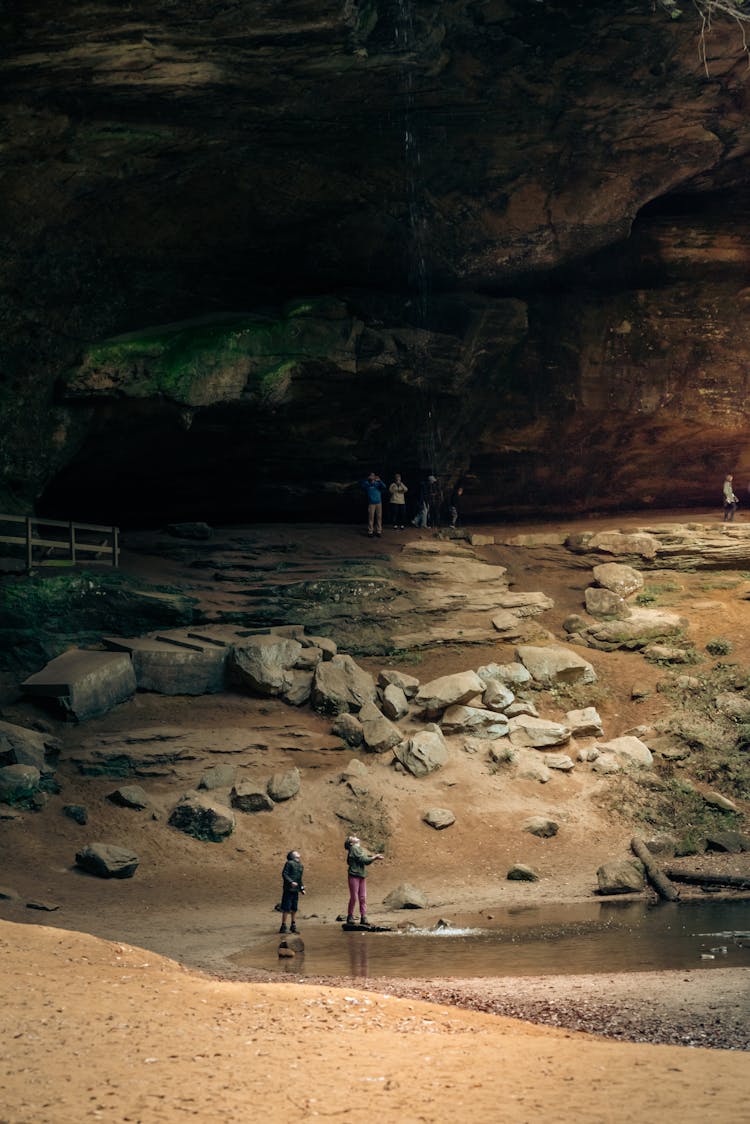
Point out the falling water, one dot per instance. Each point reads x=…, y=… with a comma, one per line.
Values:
x=428, y=432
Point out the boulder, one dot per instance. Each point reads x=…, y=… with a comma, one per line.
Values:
x=327, y=647
x=380, y=734
x=449, y=690
x=18, y=783
x=521, y=706
x=606, y=764
x=665, y=653
x=77, y=813
x=663, y=845
x=308, y=659
x=355, y=768
x=85, y=684
x=263, y=664
x=247, y=797
x=730, y=703
x=514, y=674
x=202, y=818
x=629, y=749
x=439, y=818
x=529, y=766
x=408, y=684
x=508, y=624
x=525, y=730
x=552, y=665
x=348, y=728
x=584, y=723
x=560, y=761
x=19, y=746
x=341, y=685
x=604, y=603
x=218, y=776
x=300, y=688
x=423, y=753
x=107, y=861
x=283, y=786
x=519, y=872
x=405, y=896
x=541, y=826
x=501, y=751
x=641, y=628
x=623, y=877
x=727, y=842
x=395, y=703
x=497, y=696
x=575, y=623
x=619, y=578
x=129, y=796
x=714, y=800
x=474, y=721
x=620, y=543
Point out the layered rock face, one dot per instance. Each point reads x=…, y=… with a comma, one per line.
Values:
x=252, y=251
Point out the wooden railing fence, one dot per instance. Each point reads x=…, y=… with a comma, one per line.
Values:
x=70, y=543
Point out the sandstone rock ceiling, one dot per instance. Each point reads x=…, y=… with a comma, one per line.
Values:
x=505, y=239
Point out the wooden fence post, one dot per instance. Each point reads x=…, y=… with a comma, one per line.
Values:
x=115, y=546
x=72, y=534
x=29, y=549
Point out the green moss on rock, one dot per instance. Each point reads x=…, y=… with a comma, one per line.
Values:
x=201, y=362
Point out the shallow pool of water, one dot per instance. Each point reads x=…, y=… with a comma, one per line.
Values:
x=549, y=940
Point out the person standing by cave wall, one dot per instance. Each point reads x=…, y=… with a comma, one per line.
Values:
x=730, y=499
x=291, y=888
x=374, y=489
x=358, y=859
x=454, y=508
x=434, y=501
x=397, y=491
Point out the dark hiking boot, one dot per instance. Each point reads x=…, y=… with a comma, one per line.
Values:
x=292, y=928
x=363, y=921
x=282, y=929
x=350, y=920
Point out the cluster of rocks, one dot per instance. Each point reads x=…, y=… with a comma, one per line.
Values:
x=620, y=622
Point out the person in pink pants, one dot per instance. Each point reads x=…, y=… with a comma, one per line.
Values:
x=358, y=859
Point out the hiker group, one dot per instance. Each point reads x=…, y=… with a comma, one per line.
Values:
x=430, y=508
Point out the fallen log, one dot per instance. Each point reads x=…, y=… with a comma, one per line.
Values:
x=696, y=878
x=654, y=873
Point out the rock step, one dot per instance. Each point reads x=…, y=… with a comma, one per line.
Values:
x=84, y=683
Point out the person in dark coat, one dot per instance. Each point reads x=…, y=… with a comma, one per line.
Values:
x=291, y=888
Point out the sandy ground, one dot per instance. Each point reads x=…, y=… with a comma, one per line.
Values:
x=94, y=1028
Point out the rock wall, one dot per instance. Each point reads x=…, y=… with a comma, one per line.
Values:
x=251, y=251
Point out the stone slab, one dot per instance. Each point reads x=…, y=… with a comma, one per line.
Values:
x=86, y=684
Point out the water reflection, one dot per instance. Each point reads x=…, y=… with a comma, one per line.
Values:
x=538, y=940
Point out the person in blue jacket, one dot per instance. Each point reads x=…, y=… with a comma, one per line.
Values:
x=374, y=489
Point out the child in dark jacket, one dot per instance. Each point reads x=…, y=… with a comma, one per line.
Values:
x=291, y=888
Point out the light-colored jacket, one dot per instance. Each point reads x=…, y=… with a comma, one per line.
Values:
x=398, y=492
x=729, y=496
